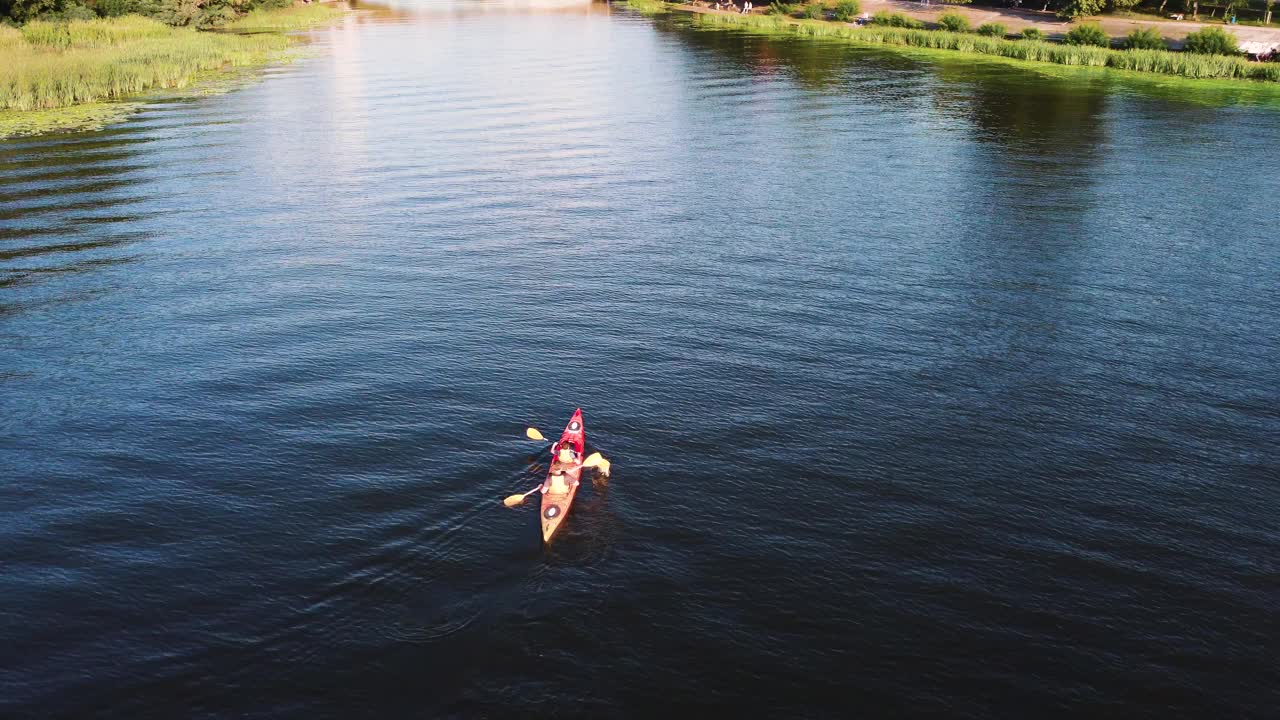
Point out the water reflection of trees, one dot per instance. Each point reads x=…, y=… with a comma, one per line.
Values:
x=812, y=64
x=1040, y=139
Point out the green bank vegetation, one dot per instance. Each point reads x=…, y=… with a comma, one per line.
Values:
x=848, y=10
x=49, y=67
x=1090, y=34
x=953, y=22
x=1252, y=12
x=1183, y=64
x=647, y=7
x=1145, y=39
x=296, y=18
x=1211, y=41
x=202, y=14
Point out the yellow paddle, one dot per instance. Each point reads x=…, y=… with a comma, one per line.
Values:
x=597, y=461
x=519, y=498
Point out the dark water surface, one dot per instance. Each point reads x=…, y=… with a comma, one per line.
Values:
x=931, y=389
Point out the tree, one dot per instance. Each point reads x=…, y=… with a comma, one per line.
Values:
x=1231, y=6
x=179, y=12
x=1073, y=9
x=24, y=10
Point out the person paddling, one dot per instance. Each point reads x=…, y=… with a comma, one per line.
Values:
x=559, y=482
x=566, y=455
x=566, y=458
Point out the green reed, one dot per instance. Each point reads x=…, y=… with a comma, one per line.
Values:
x=647, y=7
x=110, y=59
x=292, y=18
x=1187, y=65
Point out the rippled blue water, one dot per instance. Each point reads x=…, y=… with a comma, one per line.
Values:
x=931, y=389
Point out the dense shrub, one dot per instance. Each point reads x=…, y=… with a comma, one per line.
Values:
x=1088, y=34
x=848, y=10
x=952, y=22
x=1145, y=39
x=993, y=30
x=896, y=20
x=1032, y=33
x=1212, y=41
x=814, y=11
x=781, y=8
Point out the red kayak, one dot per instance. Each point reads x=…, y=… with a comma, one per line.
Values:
x=558, y=492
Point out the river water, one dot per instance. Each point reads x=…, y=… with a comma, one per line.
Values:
x=931, y=388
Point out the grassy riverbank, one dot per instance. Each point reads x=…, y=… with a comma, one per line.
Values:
x=297, y=18
x=648, y=7
x=1188, y=65
x=50, y=72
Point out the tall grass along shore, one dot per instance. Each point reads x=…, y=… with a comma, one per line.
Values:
x=47, y=66
x=1188, y=65
x=297, y=18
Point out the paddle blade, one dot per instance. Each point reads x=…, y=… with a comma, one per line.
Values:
x=533, y=434
x=513, y=500
x=597, y=461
